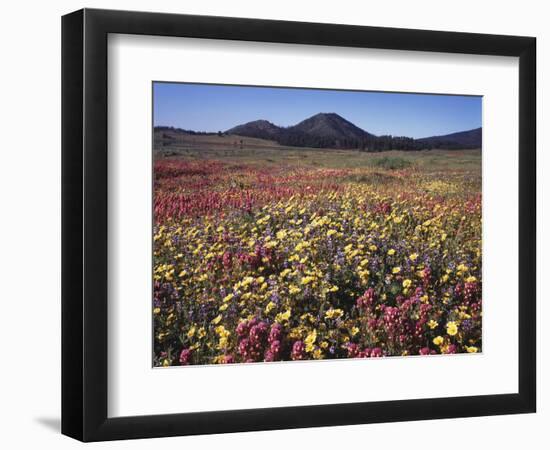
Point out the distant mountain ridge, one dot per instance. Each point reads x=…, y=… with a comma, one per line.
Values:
x=468, y=138
x=330, y=130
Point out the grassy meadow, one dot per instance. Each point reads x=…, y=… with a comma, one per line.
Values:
x=270, y=253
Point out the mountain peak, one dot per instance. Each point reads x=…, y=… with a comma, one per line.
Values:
x=262, y=129
x=261, y=122
x=330, y=126
x=258, y=123
x=328, y=115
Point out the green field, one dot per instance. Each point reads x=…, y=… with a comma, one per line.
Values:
x=259, y=152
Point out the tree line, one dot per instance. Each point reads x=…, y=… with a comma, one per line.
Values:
x=368, y=144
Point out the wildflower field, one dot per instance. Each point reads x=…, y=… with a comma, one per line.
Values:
x=316, y=255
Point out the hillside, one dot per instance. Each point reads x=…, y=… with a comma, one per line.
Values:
x=262, y=129
x=330, y=125
x=463, y=139
x=329, y=130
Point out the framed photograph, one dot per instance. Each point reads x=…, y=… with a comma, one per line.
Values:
x=273, y=224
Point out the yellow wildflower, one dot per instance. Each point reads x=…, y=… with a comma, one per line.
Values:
x=317, y=354
x=432, y=324
x=281, y=234
x=217, y=320
x=334, y=313
x=310, y=340
x=294, y=289
x=452, y=328
x=283, y=317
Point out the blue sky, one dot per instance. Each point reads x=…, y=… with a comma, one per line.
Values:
x=202, y=107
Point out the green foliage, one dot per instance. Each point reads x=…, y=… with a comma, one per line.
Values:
x=391, y=163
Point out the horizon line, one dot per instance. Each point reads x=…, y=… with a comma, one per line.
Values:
x=314, y=115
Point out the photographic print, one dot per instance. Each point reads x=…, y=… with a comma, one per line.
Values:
x=311, y=224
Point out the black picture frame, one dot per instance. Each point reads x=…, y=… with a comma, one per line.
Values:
x=84, y=224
